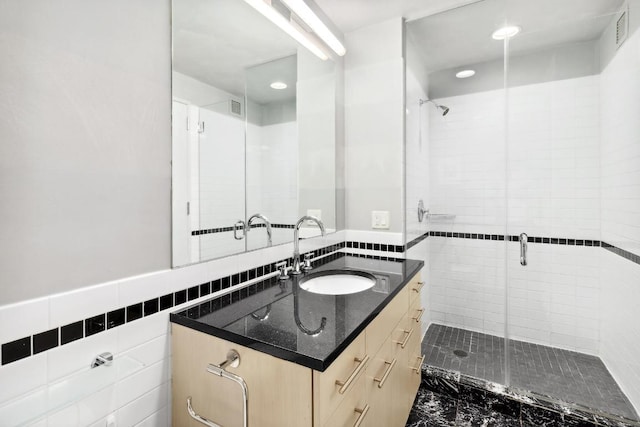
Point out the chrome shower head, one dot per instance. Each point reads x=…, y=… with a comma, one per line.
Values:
x=444, y=109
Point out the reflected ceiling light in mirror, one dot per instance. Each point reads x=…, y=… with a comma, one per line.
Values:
x=278, y=85
x=465, y=74
x=505, y=32
x=304, y=12
x=285, y=25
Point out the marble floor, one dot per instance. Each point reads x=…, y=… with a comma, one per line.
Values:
x=564, y=375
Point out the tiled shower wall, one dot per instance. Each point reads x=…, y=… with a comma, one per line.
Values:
x=620, y=279
x=553, y=191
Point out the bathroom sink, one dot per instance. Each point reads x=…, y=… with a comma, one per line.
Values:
x=337, y=282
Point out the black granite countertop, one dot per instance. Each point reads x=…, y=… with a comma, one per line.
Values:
x=279, y=318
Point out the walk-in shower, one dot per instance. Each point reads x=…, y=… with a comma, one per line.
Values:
x=542, y=145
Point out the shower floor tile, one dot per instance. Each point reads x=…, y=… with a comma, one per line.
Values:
x=564, y=375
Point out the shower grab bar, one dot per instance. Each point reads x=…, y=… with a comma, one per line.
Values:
x=233, y=360
x=523, y=248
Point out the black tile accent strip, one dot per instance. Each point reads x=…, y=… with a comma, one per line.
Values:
x=166, y=302
x=373, y=246
x=621, y=252
x=71, y=332
x=151, y=307
x=94, y=325
x=45, y=341
x=16, y=350
x=516, y=238
x=134, y=312
x=227, y=229
x=117, y=317
x=417, y=240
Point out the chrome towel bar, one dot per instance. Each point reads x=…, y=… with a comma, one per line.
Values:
x=232, y=360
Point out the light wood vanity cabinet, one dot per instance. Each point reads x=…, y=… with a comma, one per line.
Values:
x=372, y=383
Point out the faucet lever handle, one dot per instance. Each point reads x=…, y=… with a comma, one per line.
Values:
x=282, y=266
x=307, y=261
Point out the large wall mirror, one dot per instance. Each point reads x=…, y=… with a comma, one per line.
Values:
x=254, y=132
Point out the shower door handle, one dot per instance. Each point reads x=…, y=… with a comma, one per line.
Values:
x=523, y=248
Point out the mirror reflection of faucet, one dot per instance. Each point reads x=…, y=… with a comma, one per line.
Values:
x=267, y=224
x=296, y=269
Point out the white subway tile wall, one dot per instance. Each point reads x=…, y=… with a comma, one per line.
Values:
x=555, y=299
x=620, y=279
x=141, y=399
x=553, y=190
x=467, y=288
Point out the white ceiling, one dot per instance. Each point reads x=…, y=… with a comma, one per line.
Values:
x=463, y=36
x=349, y=15
x=214, y=41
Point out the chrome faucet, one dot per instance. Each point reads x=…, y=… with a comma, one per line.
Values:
x=296, y=241
x=267, y=223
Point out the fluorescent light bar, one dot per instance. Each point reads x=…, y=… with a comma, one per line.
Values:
x=272, y=15
x=304, y=12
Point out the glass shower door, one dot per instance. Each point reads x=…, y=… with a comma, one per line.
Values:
x=554, y=144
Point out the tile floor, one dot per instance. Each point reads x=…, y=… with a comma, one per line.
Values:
x=564, y=375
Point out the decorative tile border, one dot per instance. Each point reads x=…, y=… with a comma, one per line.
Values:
x=37, y=343
x=621, y=252
x=47, y=340
x=417, y=240
x=227, y=229
x=375, y=246
x=533, y=239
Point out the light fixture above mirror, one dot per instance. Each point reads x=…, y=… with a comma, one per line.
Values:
x=292, y=16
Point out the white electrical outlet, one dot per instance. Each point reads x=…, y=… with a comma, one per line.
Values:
x=380, y=220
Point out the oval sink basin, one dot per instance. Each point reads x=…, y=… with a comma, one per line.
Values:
x=337, y=282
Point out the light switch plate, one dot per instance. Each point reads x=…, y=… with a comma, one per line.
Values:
x=380, y=220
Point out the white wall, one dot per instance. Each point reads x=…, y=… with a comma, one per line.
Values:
x=620, y=153
x=317, y=136
x=85, y=159
x=374, y=124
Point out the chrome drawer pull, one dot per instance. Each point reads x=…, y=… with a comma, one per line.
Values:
x=419, y=316
x=382, y=380
x=363, y=413
x=417, y=289
x=344, y=386
x=403, y=344
x=419, y=367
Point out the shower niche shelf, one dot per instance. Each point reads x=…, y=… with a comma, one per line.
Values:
x=49, y=399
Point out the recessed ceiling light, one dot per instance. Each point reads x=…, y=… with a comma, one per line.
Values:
x=465, y=74
x=505, y=32
x=278, y=85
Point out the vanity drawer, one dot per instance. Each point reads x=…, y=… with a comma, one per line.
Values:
x=383, y=325
x=332, y=386
x=353, y=408
x=415, y=287
x=416, y=313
